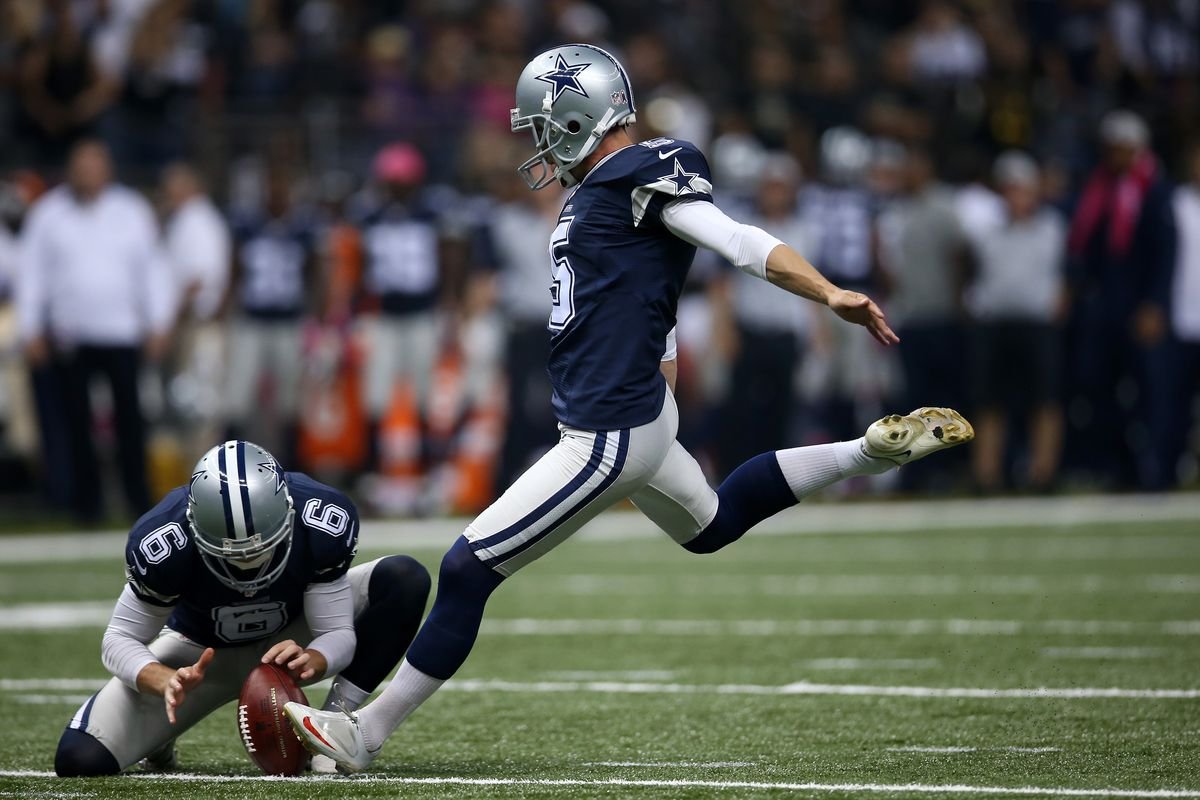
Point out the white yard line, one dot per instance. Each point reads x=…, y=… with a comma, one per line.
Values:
x=819, y=689
x=952, y=749
x=797, y=688
x=870, y=663
x=826, y=585
x=892, y=517
x=51, y=699
x=690, y=764
x=600, y=674
x=1104, y=653
x=843, y=788
x=93, y=614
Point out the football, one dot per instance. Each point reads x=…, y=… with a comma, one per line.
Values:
x=264, y=730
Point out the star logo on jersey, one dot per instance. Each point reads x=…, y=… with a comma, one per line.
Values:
x=564, y=77
x=681, y=179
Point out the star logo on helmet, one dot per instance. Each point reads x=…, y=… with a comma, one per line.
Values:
x=273, y=466
x=681, y=179
x=564, y=77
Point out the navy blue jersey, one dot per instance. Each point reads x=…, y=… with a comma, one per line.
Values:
x=164, y=567
x=273, y=255
x=617, y=276
x=402, y=262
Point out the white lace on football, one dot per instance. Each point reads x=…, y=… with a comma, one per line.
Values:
x=244, y=727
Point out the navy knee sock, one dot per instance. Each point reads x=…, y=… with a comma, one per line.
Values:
x=446, y=638
x=754, y=491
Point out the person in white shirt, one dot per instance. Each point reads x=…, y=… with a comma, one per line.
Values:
x=93, y=294
x=199, y=248
x=1175, y=419
x=1016, y=304
x=771, y=327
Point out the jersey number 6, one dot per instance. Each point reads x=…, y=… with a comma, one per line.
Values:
x=562, y=290
x=332, y=519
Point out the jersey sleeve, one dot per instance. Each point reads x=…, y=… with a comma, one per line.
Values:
x=669, y=170
x=328, y=522
x=158, y=553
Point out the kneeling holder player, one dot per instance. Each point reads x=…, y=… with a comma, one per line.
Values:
x=239, y=566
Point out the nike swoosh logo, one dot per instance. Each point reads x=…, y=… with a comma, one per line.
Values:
x=309, y=727
x=668, y=154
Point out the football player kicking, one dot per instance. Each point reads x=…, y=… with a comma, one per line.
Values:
x=624, y=243
x=243, y=557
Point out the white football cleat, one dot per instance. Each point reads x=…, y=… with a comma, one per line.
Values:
x=904, y=439
x=333, y=734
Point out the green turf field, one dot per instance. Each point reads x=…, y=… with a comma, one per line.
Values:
x=857, y=664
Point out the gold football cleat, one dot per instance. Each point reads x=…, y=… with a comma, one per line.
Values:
x=904, y=439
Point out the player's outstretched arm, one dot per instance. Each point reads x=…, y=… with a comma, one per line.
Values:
x=758, y=253
x=789, y=270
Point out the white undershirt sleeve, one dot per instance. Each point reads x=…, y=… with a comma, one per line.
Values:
x=133, y=625
x=329, y=609
x=700, y=223
x=671, y=351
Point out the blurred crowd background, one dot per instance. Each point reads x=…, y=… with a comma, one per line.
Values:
x=298, y=221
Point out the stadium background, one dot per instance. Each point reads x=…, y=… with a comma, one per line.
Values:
x=865, y=131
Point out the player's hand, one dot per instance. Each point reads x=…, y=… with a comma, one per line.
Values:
x=301, y=664
x=856, y=307
x=183, y=681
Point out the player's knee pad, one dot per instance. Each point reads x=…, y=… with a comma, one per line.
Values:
x=80, y=755
x=461, y=571
x=399, y=580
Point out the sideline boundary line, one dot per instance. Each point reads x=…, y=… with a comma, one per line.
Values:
x=808, y=688
x=832, y=788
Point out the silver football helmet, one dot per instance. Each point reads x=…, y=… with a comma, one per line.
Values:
x=569, y=97
x=240, y=515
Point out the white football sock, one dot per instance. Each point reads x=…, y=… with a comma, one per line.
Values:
x=809, y=469
x=407, y=690
x=344, y=695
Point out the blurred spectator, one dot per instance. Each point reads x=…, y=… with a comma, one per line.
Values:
x=762, y=403
x=1016, y=304
x=403, y=272
x=520, y=229
x=1122, y=254
x=924, y=245
x=198, y=245
x=844, y=372
x=62, y=91
x=165, y=62
x=92, y=291
x=273, y=282
x=1179, y=412
x=942, y=47
x=665, y=104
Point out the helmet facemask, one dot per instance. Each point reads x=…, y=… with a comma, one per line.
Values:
x=240, y=514
x=233, y=562
x=548, y=135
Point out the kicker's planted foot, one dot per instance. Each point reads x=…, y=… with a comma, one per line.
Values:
x=333, y=734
